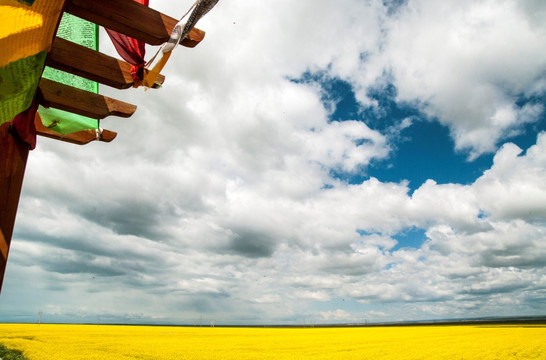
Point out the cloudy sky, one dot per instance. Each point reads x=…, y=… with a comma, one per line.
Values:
x=312, y=161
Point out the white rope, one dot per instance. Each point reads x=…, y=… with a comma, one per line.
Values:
x=182, y=28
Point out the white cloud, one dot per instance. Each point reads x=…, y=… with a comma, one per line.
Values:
x=347, y=146
x=466, y=62
x=336, y=315
x=218, y=198
x=514, y=186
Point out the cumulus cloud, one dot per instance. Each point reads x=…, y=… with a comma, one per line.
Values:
x=220, y=195
x=464, y=63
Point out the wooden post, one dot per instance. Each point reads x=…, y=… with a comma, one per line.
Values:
x=13, y=159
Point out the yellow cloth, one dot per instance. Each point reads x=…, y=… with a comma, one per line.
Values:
x=27, y=27
x=151, y=77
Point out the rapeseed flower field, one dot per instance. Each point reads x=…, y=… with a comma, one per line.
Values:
x=89, y=342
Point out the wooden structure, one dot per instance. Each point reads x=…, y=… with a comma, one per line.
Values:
x=124, y=16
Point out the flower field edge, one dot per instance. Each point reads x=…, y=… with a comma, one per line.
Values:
x=10, y=354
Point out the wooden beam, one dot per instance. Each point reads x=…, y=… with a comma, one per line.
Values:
x=131, y=18
x=193, y=38
x=13, y=159
x=83, y=102
x=79, y=138
x=93, y=65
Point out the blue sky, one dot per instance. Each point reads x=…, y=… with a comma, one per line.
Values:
x=424, y=149
x=309, y=162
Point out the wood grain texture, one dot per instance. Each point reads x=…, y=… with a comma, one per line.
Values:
x=13, y=159
x=131, y=18
x=83, y=102
x=79, y=138
x=93, y=65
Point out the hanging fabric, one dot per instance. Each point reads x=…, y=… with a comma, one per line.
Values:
x=84, y=33
x=27, y=29
x=131, y=50
x=24, y=122
x=180, y=31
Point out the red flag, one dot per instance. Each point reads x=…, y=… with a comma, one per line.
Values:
x=131, y=50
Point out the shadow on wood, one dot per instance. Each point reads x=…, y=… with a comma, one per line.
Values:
x=12, y=169
x=93, y=65
x=132, y=19
x=79, y=138
x=83, y=102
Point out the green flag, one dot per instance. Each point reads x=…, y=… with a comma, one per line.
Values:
x=84, y=33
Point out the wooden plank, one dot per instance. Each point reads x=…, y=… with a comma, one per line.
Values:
x=83, y=102
x=13, y=159
x=131, y=18
x=79, y=138
x=93, y=65
x=193, y=38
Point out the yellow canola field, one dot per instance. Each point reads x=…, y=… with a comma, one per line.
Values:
x=60, y=342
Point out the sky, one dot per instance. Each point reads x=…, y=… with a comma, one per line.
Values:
x=309, y=162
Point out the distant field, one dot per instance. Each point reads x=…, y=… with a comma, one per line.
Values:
x=59, y=342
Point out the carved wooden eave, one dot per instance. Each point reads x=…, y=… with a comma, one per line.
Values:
x=124, y=16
